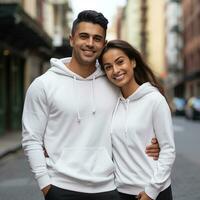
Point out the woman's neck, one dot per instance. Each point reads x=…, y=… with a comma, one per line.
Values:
x=129, y=89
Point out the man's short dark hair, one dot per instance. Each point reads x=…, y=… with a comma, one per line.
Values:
x=90, y=16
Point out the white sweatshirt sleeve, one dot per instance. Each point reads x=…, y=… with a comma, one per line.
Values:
x=163, y=127
x=34, y=122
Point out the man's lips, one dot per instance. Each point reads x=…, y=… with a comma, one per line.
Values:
x=89, y=52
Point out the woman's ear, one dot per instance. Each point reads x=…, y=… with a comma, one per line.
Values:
x=133, y=63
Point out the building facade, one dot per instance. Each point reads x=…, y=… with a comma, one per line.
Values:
x=155, y=36
x=174, y=49
x=26, y=45
x=142, y=24
x=130, y=25
x=191, y=52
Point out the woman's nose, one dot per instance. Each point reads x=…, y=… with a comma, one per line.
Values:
x=115, y=69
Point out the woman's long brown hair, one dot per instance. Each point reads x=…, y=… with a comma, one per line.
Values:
x=142, y=72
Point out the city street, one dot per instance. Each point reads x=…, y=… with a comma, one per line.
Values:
x=186, y=176
x=17, y=183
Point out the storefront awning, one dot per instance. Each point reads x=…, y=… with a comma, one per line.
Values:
x=19, y=30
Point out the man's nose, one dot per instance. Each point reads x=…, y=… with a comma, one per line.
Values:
x=90, y=42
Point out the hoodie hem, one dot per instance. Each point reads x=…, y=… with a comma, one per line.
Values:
x=43, y=181
x=131, y=190
x=153, y=193
x=135, y=190
x=85, y=187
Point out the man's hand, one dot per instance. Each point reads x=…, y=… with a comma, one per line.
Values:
x=143, y=196
x=153, y=150
x=46, y=189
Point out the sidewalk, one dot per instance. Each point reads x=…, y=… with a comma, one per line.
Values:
x=9, y=143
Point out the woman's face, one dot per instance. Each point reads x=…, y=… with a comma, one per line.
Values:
x=118, y=67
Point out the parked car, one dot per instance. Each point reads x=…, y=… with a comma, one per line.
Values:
x=192, y=108
x=178, y=106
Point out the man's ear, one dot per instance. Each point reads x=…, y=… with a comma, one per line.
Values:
x=71, y=40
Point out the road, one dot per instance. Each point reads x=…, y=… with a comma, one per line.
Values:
x=186, y=172
x=17, y=183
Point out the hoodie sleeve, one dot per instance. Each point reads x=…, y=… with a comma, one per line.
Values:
x=34, y=120
x=163, y=127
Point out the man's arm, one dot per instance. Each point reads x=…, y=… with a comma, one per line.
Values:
x=153, y=150
x=34, y=120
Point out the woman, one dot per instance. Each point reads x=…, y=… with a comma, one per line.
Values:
x=141, y=109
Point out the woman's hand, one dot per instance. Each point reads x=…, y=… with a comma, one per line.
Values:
x=153, y=149
x=143, y=196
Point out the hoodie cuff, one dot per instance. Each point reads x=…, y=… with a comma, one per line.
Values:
x=151, y=192
x=43, y=181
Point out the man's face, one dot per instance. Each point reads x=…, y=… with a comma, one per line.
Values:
x=87, y=42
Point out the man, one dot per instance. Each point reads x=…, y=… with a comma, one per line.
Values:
x=68, y=112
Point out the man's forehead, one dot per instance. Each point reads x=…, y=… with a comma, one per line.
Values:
x=90, y=28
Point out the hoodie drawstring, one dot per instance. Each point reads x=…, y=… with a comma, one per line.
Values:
x=77, y=108
x=126, y=117
x=127, y=102
x=79, y=118
x=114, y=114
x=93, y=99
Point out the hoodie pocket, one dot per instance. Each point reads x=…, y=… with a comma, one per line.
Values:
x=86, y=164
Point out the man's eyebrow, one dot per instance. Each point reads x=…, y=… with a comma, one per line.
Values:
x=95, y=35
x=100, y=36
x=83, y=33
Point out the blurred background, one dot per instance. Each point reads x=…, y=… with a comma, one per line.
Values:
x=167, y=33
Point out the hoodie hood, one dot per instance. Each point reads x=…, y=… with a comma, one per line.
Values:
x=141, y=91
x=58, y=66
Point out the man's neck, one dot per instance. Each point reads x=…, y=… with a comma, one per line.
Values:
x=82, y=70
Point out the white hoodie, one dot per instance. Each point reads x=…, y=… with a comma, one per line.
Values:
x=136, y=120
x=70, y=116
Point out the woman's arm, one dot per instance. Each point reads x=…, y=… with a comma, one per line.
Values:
x=163, y=128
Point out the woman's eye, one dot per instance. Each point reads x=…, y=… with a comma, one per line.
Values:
x=120, y=61
x=107, y=67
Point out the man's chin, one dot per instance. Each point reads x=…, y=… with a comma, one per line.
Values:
x=89, y=60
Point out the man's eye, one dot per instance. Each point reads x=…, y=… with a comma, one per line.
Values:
x=83, y=36
x=97, y=39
